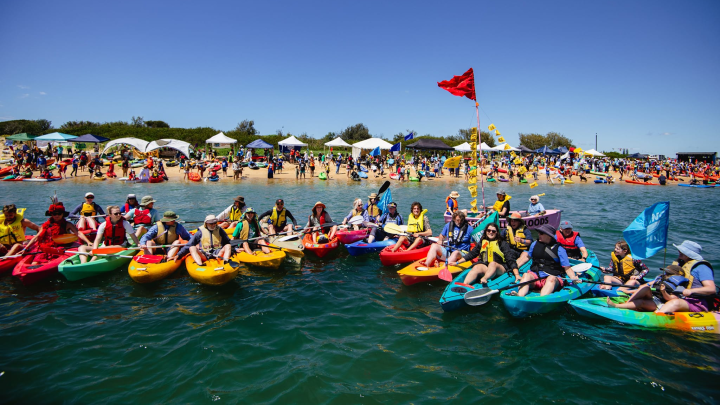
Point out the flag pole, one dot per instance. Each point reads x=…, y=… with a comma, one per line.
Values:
x=479, y=168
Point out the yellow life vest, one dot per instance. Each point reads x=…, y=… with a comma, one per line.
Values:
x=513, y=236
x=88, y=210
x=625, y=267
x=373, y=210
x=166, y=238
x=687, y=268
x=13, y=233
x=235, y=213
x=210, y=240
x=489, y=250
x=356, y=212
x=499, y=204
x=416, y=225
x=276, y=218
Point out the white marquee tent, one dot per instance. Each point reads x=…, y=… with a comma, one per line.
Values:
x=176, y=144
x=337, y=143
x=291, y=142
x=593, y=152
x=368, y=145
x=138, y=144
x=503, y=147
x=463, y=147
x=221, y=138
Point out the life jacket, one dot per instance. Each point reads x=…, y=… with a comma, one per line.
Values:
x=489, y=250
x=544, y=258
x=389, y=219
x=373, y=210
x=416, y=225
x=128, y=207
x=12, y=233
x=454, y=241
x=142, y=217
x=88, y=210
x=569, y=243
x=115, y=233
x=253, y=228
x=169, y=234
x=210, y=240
x=689, y=266
x=235, y=213
x=499, y=204
x=317, y=221
x=276, y=218
x=624, y=268
x=50, y=230
x=512, y=237
x=355, y=212
x=447, y=205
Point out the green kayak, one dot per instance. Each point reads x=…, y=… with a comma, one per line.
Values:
x=599, y=173
x=73, y=270
x=490, y=180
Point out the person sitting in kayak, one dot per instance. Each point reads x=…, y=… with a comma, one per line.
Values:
x=210, y=241
x=516, y=234
x=698, y=296
x=143, y=216
x=86, y=212
x=451, y=203
x=418, y=229
x=55, y=226
x=46, y=174
x=166, y=231
x=536, y=208
x=132, y=176
x=372, y=209
x=623, y=268
x=12, y=230
x=113, y=232
x=495, y=257
x=571, y=242
x=502, y=205
x=316, y=220
x=250, y=231
x=356, y=211
x=390, y=217
x=278, y=217
x=655, y=295
x=232, y=215
x=457, y=233
x=549, y=263
x=130, y=203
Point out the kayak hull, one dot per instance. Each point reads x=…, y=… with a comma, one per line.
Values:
x=551, y=217
x=74, y=270
x=271, y=260
x=418, y=273
x=320, y=249
x=402, y=256
x=348, y=237
x=46, y=267
x=360, y=248
x=213, y=272
x=641, y=183
x=144, y=273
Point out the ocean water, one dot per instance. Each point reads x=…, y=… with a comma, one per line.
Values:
x=342, y=329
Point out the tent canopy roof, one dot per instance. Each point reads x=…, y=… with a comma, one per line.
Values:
x=55, y=136
x=292, y=141
x=463, y=147
x=176, y=144
x=337, y=142
x=221, y=138
x=429, y=144
x=23, y=137
x=502, y=147
x=372, y=143
x=136, y=143
x=525, y=149
x=90, y=138
x=547, y=150
x=593, y=152
x=259, y=144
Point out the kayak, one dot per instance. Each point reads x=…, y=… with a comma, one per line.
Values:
x=56, y=178
x=491, y=180
x=271, y=260
x=568, y=182
x=551, y=217
x=641, y=182
x=360, y=247
x=683, y=321
x=322, y=176
x=73, y=270
x=523, y=181
x=363, y=175
x=145, y=269
x=402, y=256
x=215, y=178
x=253, y=166
x=601, y=181
x=47, y=266
x=503, y=180
x=294, y=249
x=697, y=185
x=6, y=170
x=194, y=176
x=320, y=249
x=414, y=179
x=347, y=237
x=213, y=271
x=599, y=173
x=534, y=303
x=453, y=298
x=98, y=178
x=394, y=176
x=418, y=273
x=160, y=180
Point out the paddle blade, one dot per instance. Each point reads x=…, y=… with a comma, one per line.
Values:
x=287, y=238
x=384, y=187
x=479, y=297
x=357, y=219
x=393, y=229
x=581, y=268
x=149, y=259
x=108, y=250
x=445, y=274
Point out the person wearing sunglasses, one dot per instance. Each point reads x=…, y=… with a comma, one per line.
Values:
x=457, y=233
x=12, y=230
x=87, y=212
x=166, y=231
x=278, y=216
x=112, y=233
x=495, y=257
x=390, y=217
x=535, y=208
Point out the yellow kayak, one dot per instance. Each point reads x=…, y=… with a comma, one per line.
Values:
x=418, y=273
x=569, y=182
x=212, y=272
x=270, y=260
x=144, y=273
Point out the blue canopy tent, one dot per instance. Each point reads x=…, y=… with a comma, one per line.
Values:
x=562, y=150
x=259, y=144
x=90, y=138
x=547, y=151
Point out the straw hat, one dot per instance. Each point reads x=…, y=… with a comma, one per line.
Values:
x=454, y=194
x=320, y=204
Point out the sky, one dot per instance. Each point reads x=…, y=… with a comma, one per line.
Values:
x=642, y=75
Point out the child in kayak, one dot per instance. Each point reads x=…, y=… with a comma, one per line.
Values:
x=623, y=268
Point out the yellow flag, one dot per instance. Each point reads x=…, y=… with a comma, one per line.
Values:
x=473, y=146
x=517, y=161
x=472, y=173
x=473, y=191
x=473, y=134
x=507, y=147
x=522, y=170
x=578, y=150
x=512, y=154
x=491, y=127
x=497, y=133
x=533, y=185
x=501, y=139
x=453, y=163
x=472, y=180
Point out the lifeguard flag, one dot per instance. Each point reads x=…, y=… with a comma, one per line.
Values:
x=461, y=85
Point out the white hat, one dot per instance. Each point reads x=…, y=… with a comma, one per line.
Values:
x=89, y=193
x=690, y=249
x=211, y=218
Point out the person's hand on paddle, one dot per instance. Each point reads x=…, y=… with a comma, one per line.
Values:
x=143, y=246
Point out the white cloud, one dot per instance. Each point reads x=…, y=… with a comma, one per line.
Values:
x=26, y=95
x=23, y=86
x=42, y=93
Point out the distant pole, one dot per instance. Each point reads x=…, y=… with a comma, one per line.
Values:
x=595, y=140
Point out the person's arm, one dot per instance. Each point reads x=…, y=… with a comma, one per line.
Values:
x=426, y=225
x=182, y=232
x=265, y=214
x=542, y=209
x=475, y=252
x=74, y=213
x=29, y=224
x=224, y=215
x=583, y=250
x=148, y=236
x=99, y=210
x=292, y=218
x=224, y=238
x=129, y=230
x=705, y=275
x=195, y=240
x=80, y=235
x=130, y=214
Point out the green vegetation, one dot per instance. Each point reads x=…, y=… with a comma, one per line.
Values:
x=552, y=140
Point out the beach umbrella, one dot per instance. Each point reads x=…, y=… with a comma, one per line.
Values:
x=55, y=136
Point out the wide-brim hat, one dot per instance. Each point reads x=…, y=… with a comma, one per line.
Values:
x=169, y=216
x=516, y=216
x=147, y=200
x=239, y=199
x=373, y=195
x=211, y=218
x=55, y=208
x=547, y=229
x=320, y=204
x=690, y=249
x=501, y=192
x=454, y=194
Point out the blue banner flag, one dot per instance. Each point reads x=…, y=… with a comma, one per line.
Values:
x=491, y=219
x=375, y=152
x=409, y=136
x=385, y=199
x=647, y=234
x=395, y=148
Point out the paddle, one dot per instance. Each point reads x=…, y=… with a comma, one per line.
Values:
x=384, y=187
x=610, y=284
x=301, y=230
x=95, y=254
x=21, y=255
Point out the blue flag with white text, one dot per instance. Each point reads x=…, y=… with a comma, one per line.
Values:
x=385, y=199
x=409, y=136
x=647, y=234
x=375, y=152
x=395, y=148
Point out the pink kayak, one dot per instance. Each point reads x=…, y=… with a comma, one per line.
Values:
x=351, y=236
x=551, y=217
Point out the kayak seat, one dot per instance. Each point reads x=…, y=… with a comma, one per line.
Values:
x=459, y=290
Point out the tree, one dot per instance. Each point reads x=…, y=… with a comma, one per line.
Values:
x=44, y=124
x=156, y=124
x=355, y=133
x=556, y=140
x=552, y=140
x=246, y=127
x=485, y=136
x=138, y=122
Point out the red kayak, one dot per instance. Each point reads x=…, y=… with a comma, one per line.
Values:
x=8, y=264
x=642, y=183
x=156, y=180
x=6, y=170
x=46, y=266
x=320, y=249
x=351, y=236
x=402, y=256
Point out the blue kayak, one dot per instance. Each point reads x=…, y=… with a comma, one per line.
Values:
x=697, y=185
x=534, y=303
x=361, y=247
x=601, y=181
x=613, y=292
x=453, y=298
x=363, y=175
x=215, y=178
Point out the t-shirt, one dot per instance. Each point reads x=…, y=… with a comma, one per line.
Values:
x=701, y=273
x=464, y=243
x=535, y=209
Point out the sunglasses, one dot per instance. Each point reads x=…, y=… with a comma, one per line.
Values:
x=490, y=231
x=57, y=213
x=116, y=213
x=90, y=198
x=211, y=223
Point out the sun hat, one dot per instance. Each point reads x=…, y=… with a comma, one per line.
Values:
x=534, y=197
x=239, y=199
x=373, y=195
x=59, y=207
x=566, y=225
x=392, y=204
x=547, y=229
x=250, y=210
x=690, y=249
x=169, y=216
x=320, y=204
x=676, y=284
x=132, y=196
x=88, y=194
x=673, y=268
x=501, y=192
x=147, y=200
x=211, y=218
x=454, y=194
x=515, y=216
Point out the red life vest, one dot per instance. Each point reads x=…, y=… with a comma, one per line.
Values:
x=569, y=243
x=142, y=217
x=50, y=230
x=115, y=233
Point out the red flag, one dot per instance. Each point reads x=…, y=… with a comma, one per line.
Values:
x=461, y=85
